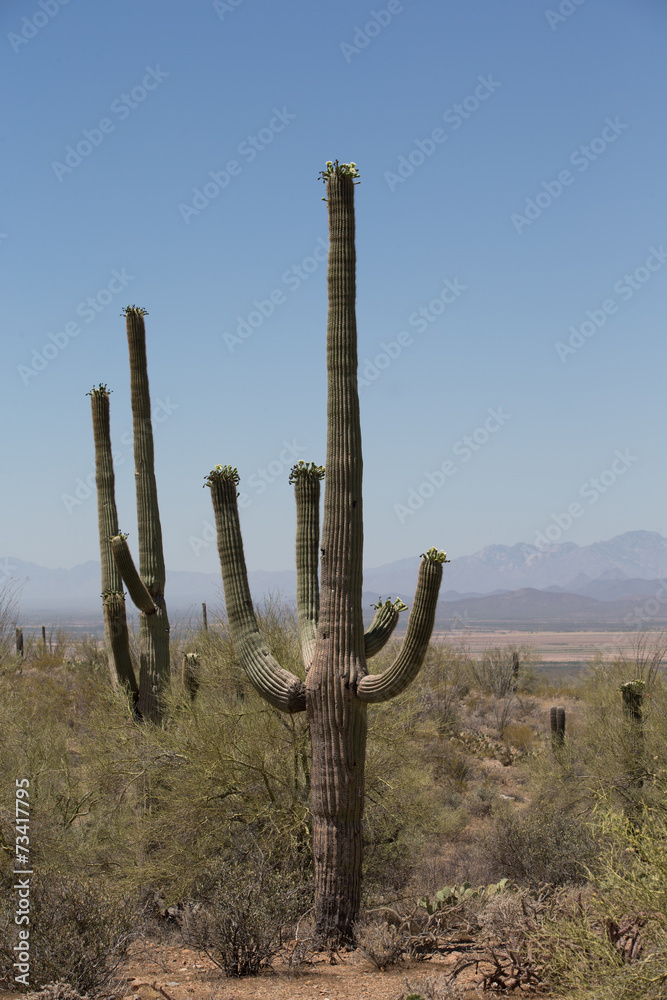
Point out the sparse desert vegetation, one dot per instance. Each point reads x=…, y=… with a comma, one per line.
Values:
x=489, y=852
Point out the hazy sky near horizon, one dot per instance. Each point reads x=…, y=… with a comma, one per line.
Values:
x=511, y=264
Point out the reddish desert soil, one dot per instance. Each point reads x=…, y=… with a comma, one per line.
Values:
x=192, y=977
x=158, y=972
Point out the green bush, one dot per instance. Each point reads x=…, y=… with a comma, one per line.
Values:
x=79, y=931
x=542, y=844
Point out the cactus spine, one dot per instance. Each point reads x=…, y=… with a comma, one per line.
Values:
x=338, y=687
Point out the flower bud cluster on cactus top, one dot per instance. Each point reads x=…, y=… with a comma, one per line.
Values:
x=398, y=604
x=223, y=472
x=341, y=169
x=302, y=469
x=99, y=390
x=134, y=309
x=435, y=556
x=636, y=685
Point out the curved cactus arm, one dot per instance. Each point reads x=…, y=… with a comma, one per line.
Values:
x=384, y=622
x=135, y=585
x=306, y=477
x=382, y=687
x=279, y=687
x=113, y=600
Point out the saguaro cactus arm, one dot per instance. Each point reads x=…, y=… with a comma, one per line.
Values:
x=278, y=686
x=406, y=666
x=115, y=622
x=151, y=558
x=306, y=477
x=155, y=668
x=135, y=585
x=384, y=622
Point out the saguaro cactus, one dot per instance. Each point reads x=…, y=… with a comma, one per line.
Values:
x=632, y=693
x=113, y=598
x=557, y=718
x=335, y=648
x=146, y=587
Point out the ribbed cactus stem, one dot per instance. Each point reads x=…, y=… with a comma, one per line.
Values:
x=153, y=626
x=279, y=687
x=136, y=587
x=406, y=666
x=306, y=477
x=190, y=674
x=632, y=693
x=336, y=717
x=115, y=620
x=384, y=622
x=557, y=719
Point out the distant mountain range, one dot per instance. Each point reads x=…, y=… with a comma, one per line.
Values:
x=600, y=582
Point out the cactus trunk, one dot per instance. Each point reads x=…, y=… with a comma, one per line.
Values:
x=336, y=717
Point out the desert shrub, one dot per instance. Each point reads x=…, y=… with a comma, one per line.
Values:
x=241, y=910
x=502, y=671
x=441, y=684
x=384, y=944
x=542, y=844
x=9, y=609
x=79, y=931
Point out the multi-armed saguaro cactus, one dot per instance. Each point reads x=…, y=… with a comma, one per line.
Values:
x=335, y=648
x=146, y=588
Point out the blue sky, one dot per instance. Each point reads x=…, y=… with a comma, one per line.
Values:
x=512, y=263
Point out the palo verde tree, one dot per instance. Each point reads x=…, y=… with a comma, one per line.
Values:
x=146, y=587
x=338, y=686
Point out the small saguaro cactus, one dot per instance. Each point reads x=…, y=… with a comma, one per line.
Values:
x=335, y=648
x=146, y=587
x=632, y=693
x=557, y=716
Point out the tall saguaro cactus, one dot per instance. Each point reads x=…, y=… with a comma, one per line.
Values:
x=146, y=587
x=113, y=598
x=335, y=648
